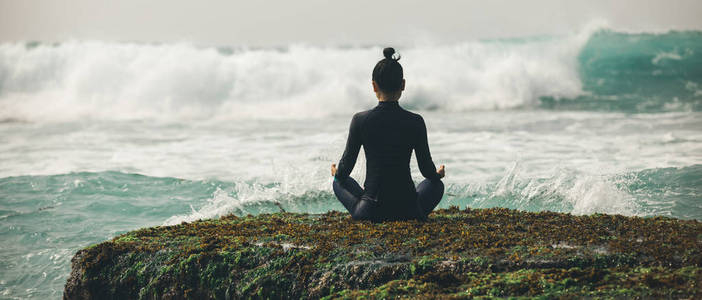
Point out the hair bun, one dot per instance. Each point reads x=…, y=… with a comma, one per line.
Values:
x=388, y=52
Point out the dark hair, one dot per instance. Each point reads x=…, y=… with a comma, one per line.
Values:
x=387, y=73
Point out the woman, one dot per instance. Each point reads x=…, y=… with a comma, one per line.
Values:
x=388, y=135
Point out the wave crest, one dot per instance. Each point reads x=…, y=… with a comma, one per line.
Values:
x=115, y=81
x=595, y=69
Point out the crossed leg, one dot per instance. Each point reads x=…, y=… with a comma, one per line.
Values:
x=429, y=194
x=349, y=193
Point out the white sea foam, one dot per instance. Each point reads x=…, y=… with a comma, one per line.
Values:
x=104, y=80
x=290, y=183
x=664, y=56
x=564, y=190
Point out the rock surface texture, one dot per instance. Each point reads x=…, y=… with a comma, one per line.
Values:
x=456, y=254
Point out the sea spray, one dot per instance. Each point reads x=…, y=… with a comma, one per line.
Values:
x=116, y=81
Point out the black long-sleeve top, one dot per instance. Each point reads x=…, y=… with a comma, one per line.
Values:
x=388, y=134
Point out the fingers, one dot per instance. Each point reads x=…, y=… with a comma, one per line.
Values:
x=333, y=169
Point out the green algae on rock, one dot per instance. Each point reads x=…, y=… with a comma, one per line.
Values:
x=455, y=254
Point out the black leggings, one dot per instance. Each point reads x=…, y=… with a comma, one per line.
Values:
x=349, y=193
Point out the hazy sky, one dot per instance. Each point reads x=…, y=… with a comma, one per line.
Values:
x=350, y=22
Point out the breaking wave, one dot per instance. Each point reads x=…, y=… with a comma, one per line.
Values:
x=596, y=69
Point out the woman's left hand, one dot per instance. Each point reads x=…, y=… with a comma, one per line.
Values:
x=441, y=171
x=333, y=169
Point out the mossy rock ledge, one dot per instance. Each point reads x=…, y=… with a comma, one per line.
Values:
x=468, y=253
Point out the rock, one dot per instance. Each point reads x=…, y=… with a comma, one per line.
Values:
x=456, y=253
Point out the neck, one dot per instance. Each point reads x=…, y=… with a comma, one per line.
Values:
x=389, y=98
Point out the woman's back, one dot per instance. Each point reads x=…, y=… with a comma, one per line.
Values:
x=388, y=134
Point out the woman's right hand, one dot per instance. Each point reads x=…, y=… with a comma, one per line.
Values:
x=333, y=169
x=441, y=171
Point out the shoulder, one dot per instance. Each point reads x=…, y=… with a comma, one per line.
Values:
x=360, y=115
x=415, y=117
x=412, y=115
x=358, y=119
x=416, y=121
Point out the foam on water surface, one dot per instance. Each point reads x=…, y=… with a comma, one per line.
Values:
x=595, y=69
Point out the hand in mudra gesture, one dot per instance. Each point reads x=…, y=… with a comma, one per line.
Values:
x=441, y=171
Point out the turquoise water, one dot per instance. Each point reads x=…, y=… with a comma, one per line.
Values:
x=100, y=138
x=638, y=73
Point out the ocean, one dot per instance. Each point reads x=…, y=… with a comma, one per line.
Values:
x=100, y=138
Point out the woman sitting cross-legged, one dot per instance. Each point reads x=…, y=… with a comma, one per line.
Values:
x=388, y=134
